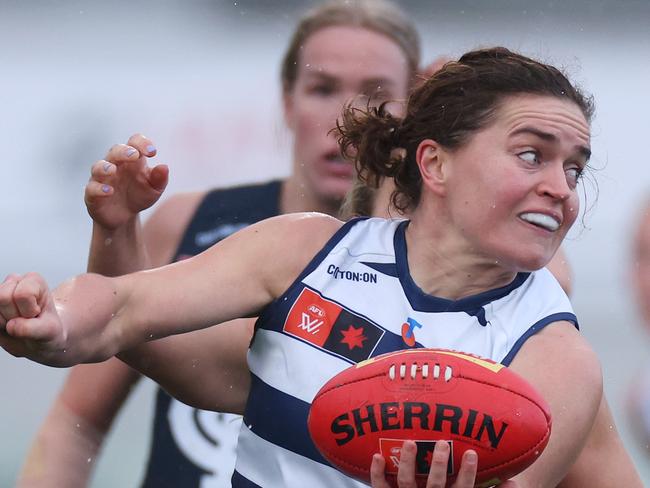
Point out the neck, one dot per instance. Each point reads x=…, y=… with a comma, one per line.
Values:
x=294, y=197
x=443, y=266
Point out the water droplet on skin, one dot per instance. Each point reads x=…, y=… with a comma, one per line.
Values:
x=78, y=426
x=89, y=459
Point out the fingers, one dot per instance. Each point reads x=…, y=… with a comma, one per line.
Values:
x=406, y=470
x=136, y=147
x=143, y=145
x=467, y=472
x=377, y=478
x=8, y=309
x=438, y=472
x=20, y=298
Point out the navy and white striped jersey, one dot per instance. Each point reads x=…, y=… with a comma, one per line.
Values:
x=356, y=299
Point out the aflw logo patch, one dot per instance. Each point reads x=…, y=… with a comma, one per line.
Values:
x=328, y=325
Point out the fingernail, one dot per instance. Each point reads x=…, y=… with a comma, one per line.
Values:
x=107, y=167
x=471, y=458
x=151, y=148
x=130, y=152
x=106, y=188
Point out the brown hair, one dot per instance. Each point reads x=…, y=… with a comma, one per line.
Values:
x=449, y=107
x=377, y=15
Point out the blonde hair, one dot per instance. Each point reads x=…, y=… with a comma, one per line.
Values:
x=377, y=15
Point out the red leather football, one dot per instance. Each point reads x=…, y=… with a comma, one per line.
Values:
x=427, y=395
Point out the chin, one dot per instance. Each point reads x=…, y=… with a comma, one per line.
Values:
x=333, y=189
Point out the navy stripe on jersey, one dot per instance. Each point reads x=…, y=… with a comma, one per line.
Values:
x=423, y=302
x=389, y=269
x=535, y=328
x=324, y=252
x=238, y=481
x=276, y=422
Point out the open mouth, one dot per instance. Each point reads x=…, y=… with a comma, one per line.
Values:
x=541, y=220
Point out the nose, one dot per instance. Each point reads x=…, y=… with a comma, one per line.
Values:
x=554, y=183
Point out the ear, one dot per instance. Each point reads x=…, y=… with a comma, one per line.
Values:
x=288, y=109
x=432, y=162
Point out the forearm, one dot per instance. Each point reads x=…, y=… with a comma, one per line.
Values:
x=63, y=453
x=92, y=311
x=119, y=251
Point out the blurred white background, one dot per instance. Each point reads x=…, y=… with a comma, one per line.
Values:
x=201, y=79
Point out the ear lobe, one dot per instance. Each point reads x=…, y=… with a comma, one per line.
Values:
x=430, y=158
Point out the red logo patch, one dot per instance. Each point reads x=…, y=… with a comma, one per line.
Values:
x=311, y=318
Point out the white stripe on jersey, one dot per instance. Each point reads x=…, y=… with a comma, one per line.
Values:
x=270, y=466
x=290, y=365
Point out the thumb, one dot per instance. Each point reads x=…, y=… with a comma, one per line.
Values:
x=159, y=177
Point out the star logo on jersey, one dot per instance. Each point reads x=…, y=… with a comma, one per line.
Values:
x=332, y=327
x=353, y=337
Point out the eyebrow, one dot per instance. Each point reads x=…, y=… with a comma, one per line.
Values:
x=546, y=136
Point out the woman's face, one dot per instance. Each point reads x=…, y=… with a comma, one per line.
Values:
x=336, y=65
x=511, y=192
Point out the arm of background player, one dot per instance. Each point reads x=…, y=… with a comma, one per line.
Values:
x=560, y=364
x=65, y=448
x=604, y=461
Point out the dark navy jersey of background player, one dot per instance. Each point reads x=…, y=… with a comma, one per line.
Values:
x=185, y=447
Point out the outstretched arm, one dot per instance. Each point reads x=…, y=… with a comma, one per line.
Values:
x=91, y=317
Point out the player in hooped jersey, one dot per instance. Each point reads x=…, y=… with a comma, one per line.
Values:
x=490, y=198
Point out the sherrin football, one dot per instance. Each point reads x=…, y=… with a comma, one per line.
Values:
x=427, y=395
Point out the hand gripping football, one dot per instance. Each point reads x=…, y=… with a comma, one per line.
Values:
x=427, y=395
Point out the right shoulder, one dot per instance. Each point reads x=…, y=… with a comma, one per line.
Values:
x=164, y=229
x=283, y=246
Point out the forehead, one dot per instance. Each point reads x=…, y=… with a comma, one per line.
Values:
x=350, y=52
x=558, y=117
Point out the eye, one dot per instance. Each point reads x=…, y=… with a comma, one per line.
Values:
x=530, y=156
x=322, y=89
x=573, y=175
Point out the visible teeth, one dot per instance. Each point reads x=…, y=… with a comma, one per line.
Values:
x=543, y=220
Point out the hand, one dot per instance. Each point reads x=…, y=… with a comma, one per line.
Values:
x=122, y=184
x=29, y=323
x=437, y=474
